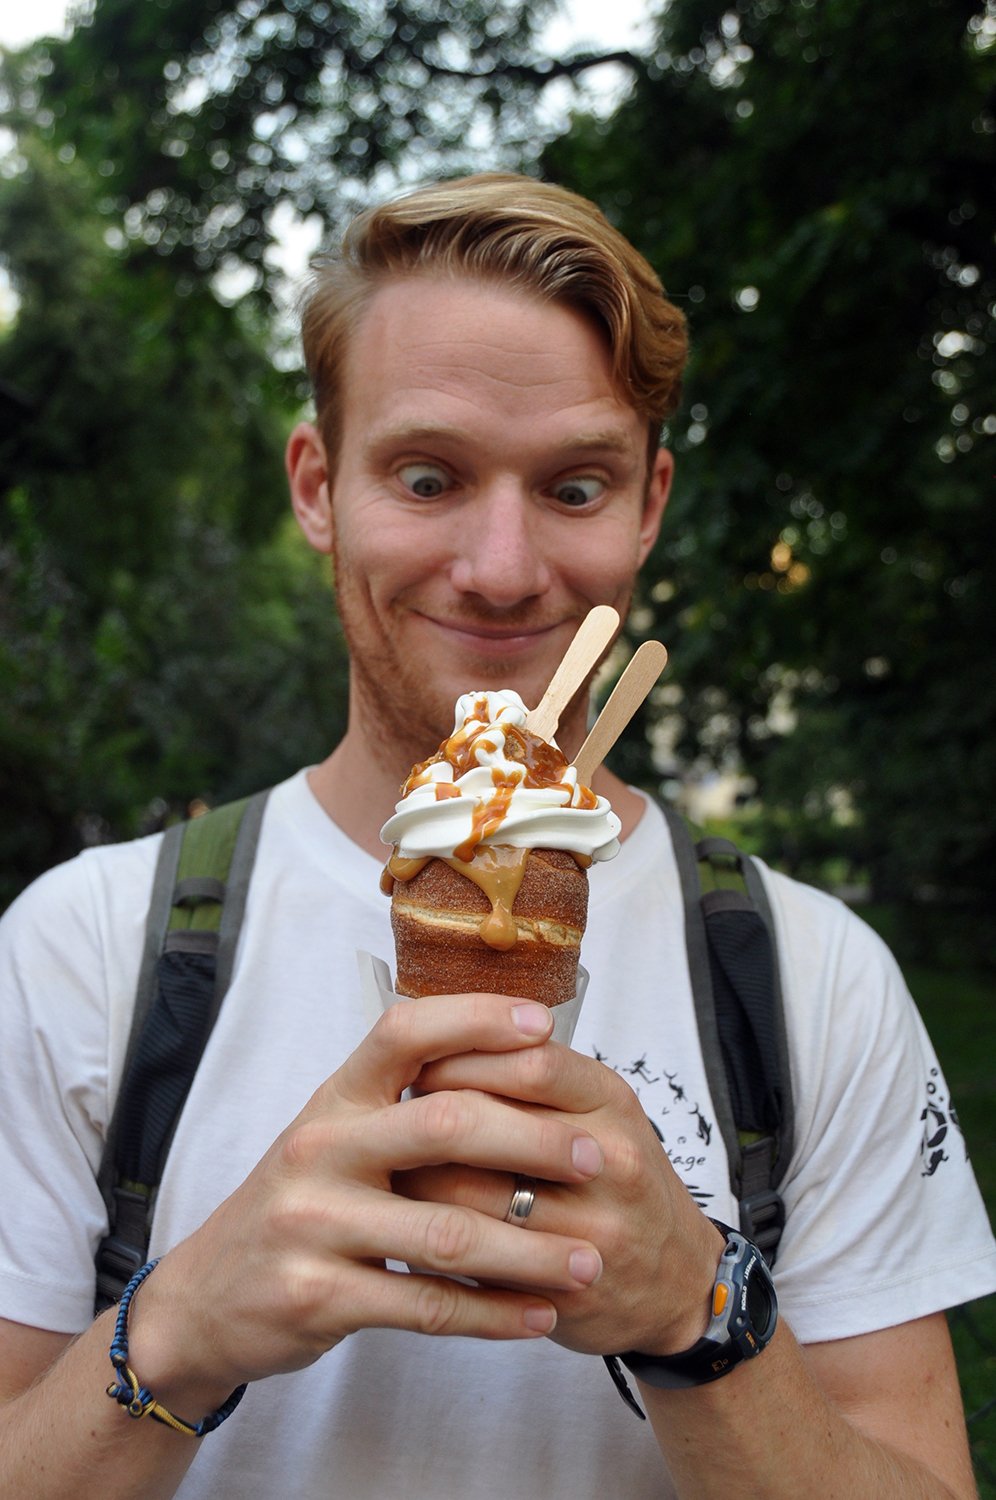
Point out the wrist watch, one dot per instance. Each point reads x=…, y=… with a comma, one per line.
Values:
x=743, y=1315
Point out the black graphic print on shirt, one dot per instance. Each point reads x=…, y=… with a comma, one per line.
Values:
x=679, y=1123
x=937, y=1118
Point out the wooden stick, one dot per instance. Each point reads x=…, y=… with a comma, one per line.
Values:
x=642, y=671
x=581, y=657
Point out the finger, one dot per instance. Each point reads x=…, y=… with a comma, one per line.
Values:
x=575, y=1212
x=552, y=1075
x=463, y=1126
x=454, y=1241
x=440, y=1307
x=414, y=1033
x=488, y=1193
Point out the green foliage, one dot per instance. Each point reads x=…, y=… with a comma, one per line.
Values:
x=218, y=675
x=133, y=391
x=815, y=183
x=157, y=639
x=202, y=115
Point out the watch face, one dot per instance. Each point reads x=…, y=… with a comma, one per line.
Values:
x=740, y=1329
x=758, y=1299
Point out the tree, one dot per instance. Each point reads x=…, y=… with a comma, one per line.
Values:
x=139, y=396
x=161, y=635
x=218, y=674
x=201, y=116
x=815, y=183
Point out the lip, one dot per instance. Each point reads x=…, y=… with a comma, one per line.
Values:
x=492, y=640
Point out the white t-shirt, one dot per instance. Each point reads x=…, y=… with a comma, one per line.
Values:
x=884, y=1224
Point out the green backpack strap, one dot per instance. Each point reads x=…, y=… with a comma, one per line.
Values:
x=195, y=914
x=733, y=965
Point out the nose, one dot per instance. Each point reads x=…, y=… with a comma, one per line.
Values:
x=499, y=554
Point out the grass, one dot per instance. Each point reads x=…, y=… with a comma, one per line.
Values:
x=958, y=1009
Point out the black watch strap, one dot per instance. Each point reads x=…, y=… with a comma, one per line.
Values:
x=743, y=1315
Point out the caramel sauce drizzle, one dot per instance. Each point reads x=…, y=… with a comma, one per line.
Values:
x=400, y=868
x=544, y=764
x=496, y=869
x=488, y=816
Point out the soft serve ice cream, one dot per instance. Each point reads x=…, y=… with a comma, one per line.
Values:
x=492, y=840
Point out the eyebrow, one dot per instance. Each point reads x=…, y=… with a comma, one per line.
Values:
x=609, y=440
x=415, y=433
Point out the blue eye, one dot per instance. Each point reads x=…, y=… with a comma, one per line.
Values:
x=426, y=481
x=579, y=489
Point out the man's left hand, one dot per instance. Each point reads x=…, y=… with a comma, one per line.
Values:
x=659, y=1252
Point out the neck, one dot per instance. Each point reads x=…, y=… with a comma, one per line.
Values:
x=358, y=790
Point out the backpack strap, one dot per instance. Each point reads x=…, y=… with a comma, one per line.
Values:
x=195, y=913
x=733, y=965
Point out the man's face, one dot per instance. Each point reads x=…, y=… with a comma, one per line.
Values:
x=490, y=488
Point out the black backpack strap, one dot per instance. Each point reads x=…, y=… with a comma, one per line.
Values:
x=733, y=965
x=195, y=914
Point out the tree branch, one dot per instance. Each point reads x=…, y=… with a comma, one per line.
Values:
x=544, y=73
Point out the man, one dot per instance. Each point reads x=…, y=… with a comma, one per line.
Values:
x=491, y=365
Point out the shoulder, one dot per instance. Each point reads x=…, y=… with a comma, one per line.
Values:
x=62, y=904
x=830, y=958
x=70, y=948
x=815, y=910
x=71, y=944
x=851, y=1023
x=880, y=1198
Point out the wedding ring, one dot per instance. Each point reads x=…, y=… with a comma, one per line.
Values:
x=522, y=1202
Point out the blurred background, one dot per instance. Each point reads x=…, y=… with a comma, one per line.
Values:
x=815, y=180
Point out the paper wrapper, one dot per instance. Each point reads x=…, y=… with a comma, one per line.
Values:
x=378, y=996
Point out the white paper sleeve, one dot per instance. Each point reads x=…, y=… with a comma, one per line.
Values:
x=378, y=996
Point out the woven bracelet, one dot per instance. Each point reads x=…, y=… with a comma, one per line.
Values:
x=126, y=1389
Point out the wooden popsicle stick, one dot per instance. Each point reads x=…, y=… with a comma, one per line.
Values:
x=594, y=634
x=642, y=671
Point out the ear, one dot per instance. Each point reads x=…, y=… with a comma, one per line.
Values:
x=308, y=476
x=655, y=501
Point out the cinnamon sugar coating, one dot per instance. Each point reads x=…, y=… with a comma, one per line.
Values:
x=436, y=918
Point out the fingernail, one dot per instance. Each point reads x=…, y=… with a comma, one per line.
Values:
x=585, y=1266
x=540, y=1319
x=586, y=1155
x=531, y=1019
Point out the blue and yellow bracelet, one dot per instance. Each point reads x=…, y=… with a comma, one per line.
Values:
x=126, y=1388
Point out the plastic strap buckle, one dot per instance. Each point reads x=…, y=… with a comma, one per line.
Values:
x=121, y=1252
x=762, y=1219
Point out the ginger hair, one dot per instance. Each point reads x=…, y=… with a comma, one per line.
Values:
x=509, y=231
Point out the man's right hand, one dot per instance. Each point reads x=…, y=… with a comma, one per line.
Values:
x=293, y=1261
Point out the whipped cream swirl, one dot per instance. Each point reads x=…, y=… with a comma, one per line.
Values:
x=492, y=783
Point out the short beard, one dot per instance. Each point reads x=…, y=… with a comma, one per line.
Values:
x=402, y=715
x=402, y=729
x=403, y=721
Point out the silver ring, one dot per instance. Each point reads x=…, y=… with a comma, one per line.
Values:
x=522, y=1202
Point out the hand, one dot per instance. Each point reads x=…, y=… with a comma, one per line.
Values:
x=293, y=1261
x=659, y=1253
